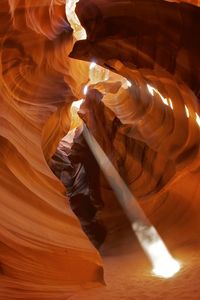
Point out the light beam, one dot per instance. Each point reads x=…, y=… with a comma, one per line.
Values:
x=163, y=263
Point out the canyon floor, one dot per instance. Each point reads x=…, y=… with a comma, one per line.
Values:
x=129, y=277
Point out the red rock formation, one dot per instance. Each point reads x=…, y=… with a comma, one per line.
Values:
x=42, y=244
x=44, y=252
x=152, y=58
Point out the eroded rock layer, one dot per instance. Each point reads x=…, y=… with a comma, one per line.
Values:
x=42, y=243
x=149, y=130
x=150, y=44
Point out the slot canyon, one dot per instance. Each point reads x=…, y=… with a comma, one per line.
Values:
x=124, y=74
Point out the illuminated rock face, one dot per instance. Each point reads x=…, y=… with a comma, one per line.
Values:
x=149, y=39
x=43, y=251
x=161, y=107
x=42, y=243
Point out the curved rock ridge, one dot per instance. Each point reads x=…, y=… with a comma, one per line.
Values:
x=148, y=126
x=145, y=42
x=74, y=164
x=143, y=34
x=42, y=243
x=193, y=2
x=158, y=108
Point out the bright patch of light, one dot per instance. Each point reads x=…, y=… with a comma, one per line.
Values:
x=150, y=89
x=164, y=100
x=79, y=31
x=129, y=83
x=77, y=104
x=171, y=104
x=107, y=75
x=126, y=84
x=85, y=90
x=187, y=112
x=97, y=74
x=198, y=119
x=164, y=265
x=92, y=65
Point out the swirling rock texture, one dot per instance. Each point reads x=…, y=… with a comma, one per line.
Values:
x=149, y=130
x=42, y=244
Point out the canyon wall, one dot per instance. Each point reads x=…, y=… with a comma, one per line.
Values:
x=44, y=253
x=43, y=250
